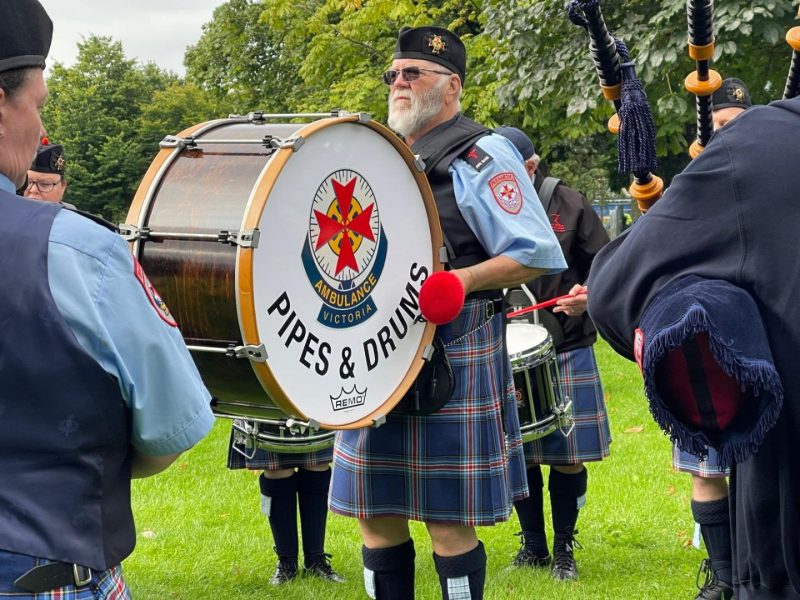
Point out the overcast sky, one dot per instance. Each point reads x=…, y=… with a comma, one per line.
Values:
x=150, y=30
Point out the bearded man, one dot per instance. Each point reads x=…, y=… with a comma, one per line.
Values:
x=459, y=466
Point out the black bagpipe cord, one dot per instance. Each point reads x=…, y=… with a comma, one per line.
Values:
x=636, y=143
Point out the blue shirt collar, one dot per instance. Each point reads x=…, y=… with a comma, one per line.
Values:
x=7, y=185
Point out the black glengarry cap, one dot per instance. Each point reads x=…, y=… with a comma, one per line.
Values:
x=435, y=44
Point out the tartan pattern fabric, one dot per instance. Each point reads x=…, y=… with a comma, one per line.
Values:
x=105, y=585
x=458, y=588
x=684, y=462
x=274, y=461
x=591, y=438
x=454, y=466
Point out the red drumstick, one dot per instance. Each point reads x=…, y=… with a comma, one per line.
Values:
x=545, y=304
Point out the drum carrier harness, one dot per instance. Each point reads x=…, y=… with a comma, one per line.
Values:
x=435, y=383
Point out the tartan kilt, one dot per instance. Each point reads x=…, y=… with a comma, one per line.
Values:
x=683, y=462
x=269, y=460
x=591, y=438
x=453, y=466
x=105, y=585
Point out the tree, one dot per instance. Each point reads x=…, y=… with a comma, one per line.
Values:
x=172, y=110
x=545, y=72
x=93, y=111
x=241, y=62
x=110, y=113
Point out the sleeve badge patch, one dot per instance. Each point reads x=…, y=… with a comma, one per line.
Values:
x=506, y=191
x=477, y=158
x=152, y=294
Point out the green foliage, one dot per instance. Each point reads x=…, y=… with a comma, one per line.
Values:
x=110, y=113
x=241, y=62
x=201, y=535
x=527, y=66
x=547, y=77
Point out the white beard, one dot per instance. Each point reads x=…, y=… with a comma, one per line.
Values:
x=423, y=106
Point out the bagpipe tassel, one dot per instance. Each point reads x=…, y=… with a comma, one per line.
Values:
x=636, y=143
x=632, y=120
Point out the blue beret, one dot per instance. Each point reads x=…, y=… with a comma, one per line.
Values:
x=519, y=138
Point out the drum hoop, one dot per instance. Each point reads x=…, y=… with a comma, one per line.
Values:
x=151, y=182
x=246, y=308
x=540, y=353
x=532, y=357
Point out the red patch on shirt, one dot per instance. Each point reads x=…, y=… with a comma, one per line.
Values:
x=152, y=294
x=506, y=191
x=557, y=226
x=638, y=347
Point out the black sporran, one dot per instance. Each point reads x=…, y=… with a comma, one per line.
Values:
x=433, y=387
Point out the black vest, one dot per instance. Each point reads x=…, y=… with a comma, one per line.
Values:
x=65, y=432
x=439, y=148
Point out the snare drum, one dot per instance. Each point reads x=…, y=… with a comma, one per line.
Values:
x=291, y=256
x=541, y=404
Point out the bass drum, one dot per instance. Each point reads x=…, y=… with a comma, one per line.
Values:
x=291, y=256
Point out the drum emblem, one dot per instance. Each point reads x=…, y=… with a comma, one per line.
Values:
x=345, y=250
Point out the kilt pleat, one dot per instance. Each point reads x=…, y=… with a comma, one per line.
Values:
x=453, y=466
x=684, y=462
x=591, y=438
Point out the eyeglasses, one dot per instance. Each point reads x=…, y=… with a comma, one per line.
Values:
x=44, y=186
x=409, y=74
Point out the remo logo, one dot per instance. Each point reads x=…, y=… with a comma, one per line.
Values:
x=345, y=251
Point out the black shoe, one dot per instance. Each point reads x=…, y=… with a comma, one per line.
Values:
x=528, y=558
x=284, y=572
x=564, y=566
x=322, y=568
x=712, y=588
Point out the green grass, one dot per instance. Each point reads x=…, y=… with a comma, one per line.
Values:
x=200, y=533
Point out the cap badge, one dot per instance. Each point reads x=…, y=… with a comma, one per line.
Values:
x=738, y=93
x=436, y=44
x=60, y=163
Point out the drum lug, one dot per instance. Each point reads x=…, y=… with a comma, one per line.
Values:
x=244, y=239
x=300, y=427
x=293, y=143
x=131, y=233
x=256, y=117
x=255, y=353
x=444, y=256
x=378, y=421
x=427, y=353
x=419, y=164
x=173, y=141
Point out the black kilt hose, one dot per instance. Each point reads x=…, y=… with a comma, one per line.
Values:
x=454, y=466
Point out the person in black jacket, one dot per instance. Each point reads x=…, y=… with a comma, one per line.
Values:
x=581, y=234
x=731, y=217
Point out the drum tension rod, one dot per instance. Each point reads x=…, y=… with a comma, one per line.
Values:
x=245, y=239
x=254, y=353
x=270, y=142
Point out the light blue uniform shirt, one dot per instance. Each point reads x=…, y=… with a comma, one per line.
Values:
x=6, y=185
x=92, y=281
x=527, y=236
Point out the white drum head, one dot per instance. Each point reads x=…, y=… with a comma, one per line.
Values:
x=521, y=338
x=346, y=242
